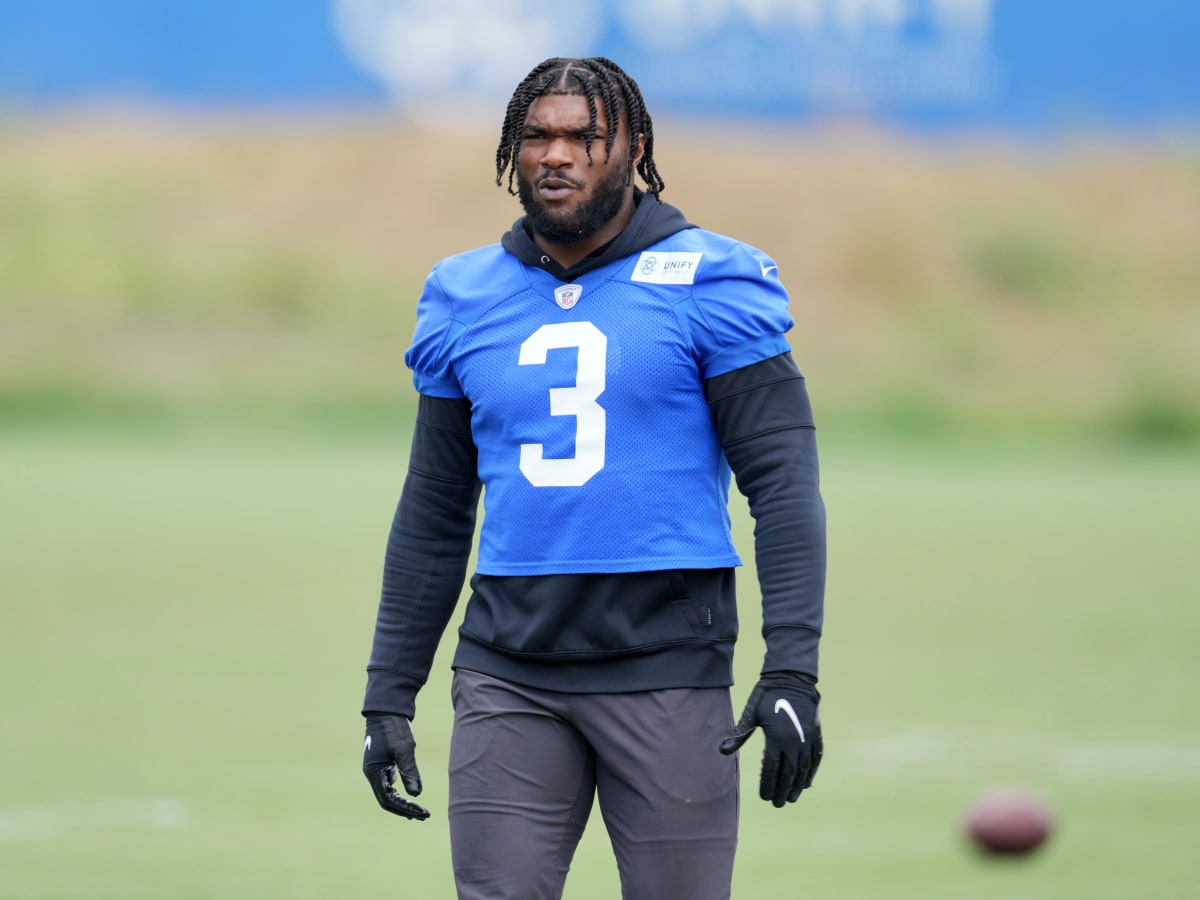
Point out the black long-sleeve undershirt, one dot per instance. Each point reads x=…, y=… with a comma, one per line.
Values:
x=428, y=548
x=765, y=423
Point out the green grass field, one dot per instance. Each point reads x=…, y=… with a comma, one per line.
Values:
x=187, y=614
x=187, y=603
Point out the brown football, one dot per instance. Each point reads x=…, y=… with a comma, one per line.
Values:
x=1009, y=821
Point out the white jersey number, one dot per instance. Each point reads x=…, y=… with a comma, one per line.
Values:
x=578, y=401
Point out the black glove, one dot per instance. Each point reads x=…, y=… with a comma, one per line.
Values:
x=389, y=748
x=784, y=705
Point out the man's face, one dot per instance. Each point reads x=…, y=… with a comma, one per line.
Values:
x=566, y=199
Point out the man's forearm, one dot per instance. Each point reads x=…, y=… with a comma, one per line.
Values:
x=427, y=554
x=765, y=423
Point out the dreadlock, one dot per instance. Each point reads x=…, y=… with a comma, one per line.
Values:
x=595, y=78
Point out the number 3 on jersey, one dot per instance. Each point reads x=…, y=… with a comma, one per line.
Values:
x=578, y=401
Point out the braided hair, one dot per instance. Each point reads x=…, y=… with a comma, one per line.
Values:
x=596, y=79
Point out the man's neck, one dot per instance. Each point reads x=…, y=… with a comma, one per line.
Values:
x=567, y=255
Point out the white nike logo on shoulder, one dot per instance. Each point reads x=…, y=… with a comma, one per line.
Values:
x=367, y=744
x=766, y=269
x=791, y=714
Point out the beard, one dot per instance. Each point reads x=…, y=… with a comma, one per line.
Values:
x=580, y=222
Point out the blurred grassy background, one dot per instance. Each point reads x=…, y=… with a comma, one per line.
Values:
x=152, y=266
x=203, y=430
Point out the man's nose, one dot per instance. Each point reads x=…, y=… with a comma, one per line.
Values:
x=559, y=152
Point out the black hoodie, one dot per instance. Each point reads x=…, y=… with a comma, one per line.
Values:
x=605, y=633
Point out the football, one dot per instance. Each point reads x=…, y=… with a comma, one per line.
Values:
x=1008, y=822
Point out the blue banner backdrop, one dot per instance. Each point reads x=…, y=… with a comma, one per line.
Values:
x=1016, y=64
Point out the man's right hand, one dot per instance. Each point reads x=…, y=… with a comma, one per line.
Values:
x=390, y=750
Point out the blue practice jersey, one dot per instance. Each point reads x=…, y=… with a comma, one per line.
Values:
x=597, y=451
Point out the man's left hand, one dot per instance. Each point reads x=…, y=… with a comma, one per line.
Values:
x=784, y=705
x=389, y=752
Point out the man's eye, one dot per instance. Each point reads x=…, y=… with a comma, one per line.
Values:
x=580, y=138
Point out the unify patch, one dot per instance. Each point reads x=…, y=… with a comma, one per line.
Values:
x=666, y=268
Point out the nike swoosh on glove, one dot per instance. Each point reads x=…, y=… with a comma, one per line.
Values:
x=390, y=749
x=784, y=706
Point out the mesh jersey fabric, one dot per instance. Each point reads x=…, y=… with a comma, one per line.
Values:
x=597, y=451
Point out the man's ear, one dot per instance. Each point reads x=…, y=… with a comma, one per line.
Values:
x=639, y=149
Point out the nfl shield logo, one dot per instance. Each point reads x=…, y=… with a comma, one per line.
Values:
x=567, y=295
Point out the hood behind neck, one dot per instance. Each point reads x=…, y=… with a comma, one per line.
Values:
x=652, y=221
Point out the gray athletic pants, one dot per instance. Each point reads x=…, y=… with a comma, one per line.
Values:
x=525, y=765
